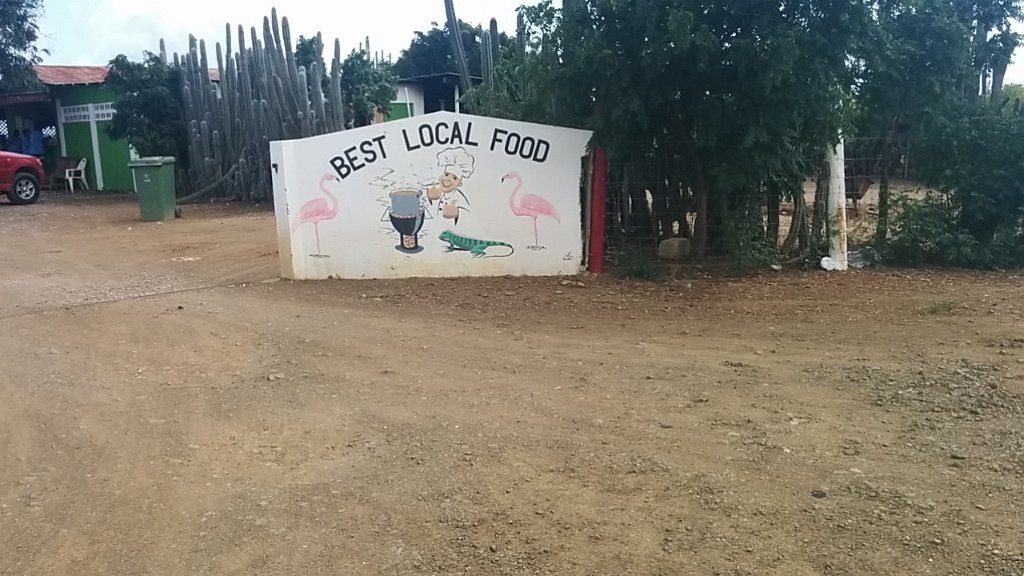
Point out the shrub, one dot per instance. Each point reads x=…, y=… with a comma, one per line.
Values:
x=928, y=232
x=638, y=263
x=744, y=239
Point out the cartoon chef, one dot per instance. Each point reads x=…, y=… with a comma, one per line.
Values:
x=457, y=165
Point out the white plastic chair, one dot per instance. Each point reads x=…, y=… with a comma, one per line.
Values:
x=72, y=174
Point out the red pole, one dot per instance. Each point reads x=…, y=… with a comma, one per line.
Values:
x=598, y=194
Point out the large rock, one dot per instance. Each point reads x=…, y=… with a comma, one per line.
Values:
x=674, y=249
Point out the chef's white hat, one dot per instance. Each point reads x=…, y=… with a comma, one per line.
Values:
x=456, y=161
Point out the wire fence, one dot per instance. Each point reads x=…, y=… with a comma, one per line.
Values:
x=648, y=202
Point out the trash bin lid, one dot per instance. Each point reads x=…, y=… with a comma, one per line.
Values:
x=152, y=161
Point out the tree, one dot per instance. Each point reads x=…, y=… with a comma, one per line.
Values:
x=431, y=52
x=530, y=81
x=910, y=59
x=975, y=155
x=19, y=32
x=1012, y=93
x=149, y=107
x=714, y=99
x=367, y=86
x=309, y=51
x=992, y=44
x=971, y=155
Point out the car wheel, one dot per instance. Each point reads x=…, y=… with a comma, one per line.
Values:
x=24, y=189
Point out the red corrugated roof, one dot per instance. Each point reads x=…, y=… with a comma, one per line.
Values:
x=64, y=75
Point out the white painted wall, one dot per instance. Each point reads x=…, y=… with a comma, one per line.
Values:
x=411, y=92
x=358, y=237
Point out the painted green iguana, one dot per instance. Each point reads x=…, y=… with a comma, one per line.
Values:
x=477, y=247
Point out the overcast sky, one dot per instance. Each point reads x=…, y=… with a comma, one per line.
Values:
x=94, y=31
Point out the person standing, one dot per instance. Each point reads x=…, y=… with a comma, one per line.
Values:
x=36, y=146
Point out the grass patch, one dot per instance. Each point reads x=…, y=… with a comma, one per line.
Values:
x=942, y=308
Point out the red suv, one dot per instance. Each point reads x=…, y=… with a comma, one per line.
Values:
x=19, y=177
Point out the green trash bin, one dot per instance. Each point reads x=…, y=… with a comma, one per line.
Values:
x=154, y=187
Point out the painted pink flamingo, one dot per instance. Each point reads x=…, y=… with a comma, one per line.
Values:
x=316, y=211
x=531, y=206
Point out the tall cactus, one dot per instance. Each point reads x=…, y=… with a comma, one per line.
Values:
x=487, y=58
x=521, y=38
x=458, y=50
x=263, y=95
x=495, y=44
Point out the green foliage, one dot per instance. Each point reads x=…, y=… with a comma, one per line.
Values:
x=496, y=99
x=367, y=86
x=715, y=100
x=744, y=238
x=149, y=108
x=1013, y=95
x=993, y=44
x=638, y=264
x=310, y=51
x=907, y=61
x=530, y=82
x=977, y=156
x=430, y=52
x=19, y=31
x=926, y=233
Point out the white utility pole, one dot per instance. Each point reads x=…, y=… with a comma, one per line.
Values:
x=837, y=249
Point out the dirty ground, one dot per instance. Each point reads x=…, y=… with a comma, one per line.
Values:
x=168, y=408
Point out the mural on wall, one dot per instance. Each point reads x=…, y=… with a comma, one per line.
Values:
x=456, y=165
x=407, y=213
x=478, y=248
x=531, y=206
x=438, y=195
x=316, y=211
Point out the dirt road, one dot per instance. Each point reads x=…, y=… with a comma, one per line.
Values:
x=167, y=408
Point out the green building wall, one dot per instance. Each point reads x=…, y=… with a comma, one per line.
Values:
x=78, y=143
x=114, y=154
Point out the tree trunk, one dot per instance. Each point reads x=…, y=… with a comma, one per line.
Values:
x=666, y=194
x=719, y=207
x=700, y=232
x=998, y=76
x=797, y=237
x=820, y=204
x=681, y=207
x=639, y=213
x=774, y=207
x=624, y=209
x=980, y=62
x=663, y=215
x=882, y=231
x=642, y=222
